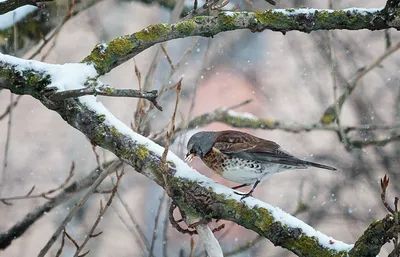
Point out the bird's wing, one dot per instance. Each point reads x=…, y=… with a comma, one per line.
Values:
x=241, y=145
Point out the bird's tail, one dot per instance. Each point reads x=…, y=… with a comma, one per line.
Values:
x=321, y=166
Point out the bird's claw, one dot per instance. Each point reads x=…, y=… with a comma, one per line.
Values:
x=243, y=195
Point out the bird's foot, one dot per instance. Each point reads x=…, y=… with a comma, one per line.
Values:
x=243, y=195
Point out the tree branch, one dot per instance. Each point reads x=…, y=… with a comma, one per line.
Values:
x=211, y=244
x=107, y=91
x=107, y=56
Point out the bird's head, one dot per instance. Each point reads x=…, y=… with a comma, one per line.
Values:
x=200, y=144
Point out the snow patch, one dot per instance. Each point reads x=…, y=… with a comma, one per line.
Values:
x=8, y=19
x=63, y=77
x=244, y=115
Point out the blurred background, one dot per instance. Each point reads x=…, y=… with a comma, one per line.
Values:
x=287, y=77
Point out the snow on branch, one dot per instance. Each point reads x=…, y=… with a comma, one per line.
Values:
x=55, y=83
x=10, y=5
x=306, y=20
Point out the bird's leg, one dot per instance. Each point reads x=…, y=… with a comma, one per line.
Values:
x=240, y=186
x=250, y=192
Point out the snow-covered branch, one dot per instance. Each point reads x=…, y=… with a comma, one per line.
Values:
x=10, y=5
x=123, y=48
x=192, y=192
x=52, y=83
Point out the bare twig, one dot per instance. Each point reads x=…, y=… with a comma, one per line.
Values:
x=71, y=239
x=70, y=13
x=62, y=245
x=107, y=91
x=384, y=185
x=141, y=237
x=330, y=113
x=73, y=211
x=71, y=5
x=174, y=222
x=44, y=194
x=101, y=214
x=165, y=229
x=66, y=194
x=154, y=237
x=10, y=107
x=7, y=145
x=334, y=84
x=197, y=83
x=170, y=134
x=167, y=56
x=244, y=247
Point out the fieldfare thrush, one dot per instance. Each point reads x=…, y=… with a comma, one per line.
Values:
x=243, y=158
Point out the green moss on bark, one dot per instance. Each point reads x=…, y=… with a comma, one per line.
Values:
x=104, y=57
x=153, y=32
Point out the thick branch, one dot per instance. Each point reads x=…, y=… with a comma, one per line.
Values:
x=105, y=57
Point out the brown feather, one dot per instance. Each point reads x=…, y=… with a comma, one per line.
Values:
x=230, y=141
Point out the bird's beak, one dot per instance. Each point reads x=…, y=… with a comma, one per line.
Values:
x=189, y=157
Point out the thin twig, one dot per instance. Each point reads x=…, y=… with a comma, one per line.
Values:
x=154, y=237
x=329, y=114
x=167, y=56
x=142, y=240
x=197, y=83
x=165, y=229
x=101, y=214
x=70, y=13
x=62, y=245
x=140, y=105
x=7, y=145
x=44, y=194
x=66, y=194
x=172, y=129
x=10, y=107
x=174, y=222
x=334, y=84
x=164, y=87
x=107, y=91
x=384, y=185
x=71, y=5
x=74, y=210
x=244, y=247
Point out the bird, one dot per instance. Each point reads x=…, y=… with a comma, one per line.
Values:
x=243, y=158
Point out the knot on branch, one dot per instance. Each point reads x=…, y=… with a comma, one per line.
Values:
x=198, y=196
x=282, y=234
